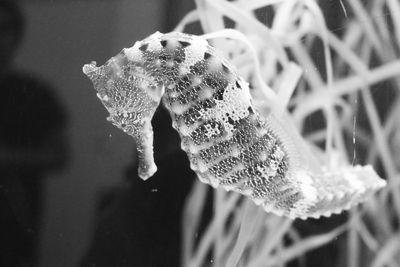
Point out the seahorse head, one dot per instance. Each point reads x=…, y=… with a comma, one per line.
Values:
x=131, y=97
x=125, y=90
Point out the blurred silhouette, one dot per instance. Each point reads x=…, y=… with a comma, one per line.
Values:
x=32, y=143
x=140, y=224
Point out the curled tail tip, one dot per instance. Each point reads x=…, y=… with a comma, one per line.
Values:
x=333, y=192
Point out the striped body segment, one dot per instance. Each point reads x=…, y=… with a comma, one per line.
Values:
x=228, y=143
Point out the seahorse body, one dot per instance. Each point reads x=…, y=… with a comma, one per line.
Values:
x=228, y=143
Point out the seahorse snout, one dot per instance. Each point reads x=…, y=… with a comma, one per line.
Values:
x=90, y=69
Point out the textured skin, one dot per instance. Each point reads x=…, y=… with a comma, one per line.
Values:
x=228, y=143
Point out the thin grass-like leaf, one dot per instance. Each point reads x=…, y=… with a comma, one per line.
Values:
x=388, y=251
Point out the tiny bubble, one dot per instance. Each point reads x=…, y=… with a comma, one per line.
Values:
x=110, y=135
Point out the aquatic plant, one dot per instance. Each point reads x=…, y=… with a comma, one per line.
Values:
x=346, y=105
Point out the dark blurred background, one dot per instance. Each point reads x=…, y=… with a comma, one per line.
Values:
x=61, y=163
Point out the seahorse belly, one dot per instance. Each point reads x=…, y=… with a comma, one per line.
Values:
x=227, y=141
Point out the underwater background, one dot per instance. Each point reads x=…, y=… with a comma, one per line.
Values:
x=70, y=194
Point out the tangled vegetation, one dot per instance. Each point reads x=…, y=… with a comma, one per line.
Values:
x=340, y=81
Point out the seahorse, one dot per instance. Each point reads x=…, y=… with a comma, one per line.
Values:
x=228, y=143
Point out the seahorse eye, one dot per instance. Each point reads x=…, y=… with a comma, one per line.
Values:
x=164, y=43
x=143, y=47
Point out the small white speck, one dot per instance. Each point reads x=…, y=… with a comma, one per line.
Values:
x=154, y=190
